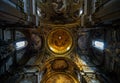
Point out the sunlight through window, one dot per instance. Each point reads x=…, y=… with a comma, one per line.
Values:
x=99, y=45
x=21, y=44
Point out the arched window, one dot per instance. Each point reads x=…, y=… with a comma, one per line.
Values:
x=98, y=44
x=21, y=41
x=21, y=44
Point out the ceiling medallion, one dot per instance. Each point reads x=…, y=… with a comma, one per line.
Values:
x=59, y=41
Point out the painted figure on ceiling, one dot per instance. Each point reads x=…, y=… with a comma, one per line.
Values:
x=76, y=1
x=59, y=6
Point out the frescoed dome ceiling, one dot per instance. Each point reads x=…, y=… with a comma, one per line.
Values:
x=59, y=41
x=60, y=78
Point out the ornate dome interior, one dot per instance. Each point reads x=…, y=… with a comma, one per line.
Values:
x=60, y=41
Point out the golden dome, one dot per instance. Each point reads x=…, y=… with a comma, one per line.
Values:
x=60, y=78
x=59, y=41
